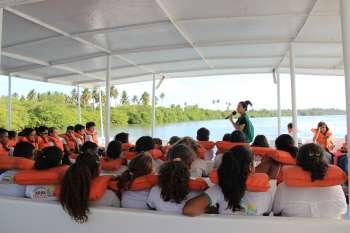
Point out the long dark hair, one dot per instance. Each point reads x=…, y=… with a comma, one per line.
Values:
x=311, y=158
x=75, y=188
x=260, y=141
x=232, y=175
x=285, y=142
x=322, y=123
x=47, y=158
x=245, y=104
x=173, y=181
x=141, y=165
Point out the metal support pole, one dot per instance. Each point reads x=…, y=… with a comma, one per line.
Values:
x=9, y=103
x=153, y=105
x=279, y=113
x=101, y=111
x=293, y=92
x=108, y=99
x=345, y=21
x=79, y=108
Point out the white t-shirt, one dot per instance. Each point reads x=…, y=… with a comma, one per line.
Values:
x=8, y=187
x=157, y=164
x=88, y=138
x=217, y=161
x=209, y=154
x=200, y=167
x=117, y=173
x=155, y=201
x=324, y=202
x=135, y=199
x=40, y=192
x=109, y=198
x=253, y=203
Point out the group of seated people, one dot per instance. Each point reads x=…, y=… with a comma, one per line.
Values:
x=186, y=176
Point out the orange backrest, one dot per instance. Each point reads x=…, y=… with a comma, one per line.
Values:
x=263, y=151
x=283, y=157
x=140, y=183
x=208, y=145
x=256, y=182
x=198, y=184
x=7, y=163
x=112, y=165
x=295, y=176
x=98, y=187
x=224, y=146
x=40, y=177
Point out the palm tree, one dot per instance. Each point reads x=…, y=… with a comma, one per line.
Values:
x=135, y=99
x=162, y=95
x=145, y=98
x=95, y=96
x=86, y=97
x=74, y=95
x=124, y=98
x=114, y=94
x=32, y=95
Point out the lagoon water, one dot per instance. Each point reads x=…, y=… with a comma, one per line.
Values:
x=266, y=126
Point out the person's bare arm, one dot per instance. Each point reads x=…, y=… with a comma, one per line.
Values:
x=196, y=206
x=236, y=126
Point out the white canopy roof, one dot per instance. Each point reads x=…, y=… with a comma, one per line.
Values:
x=67, y=41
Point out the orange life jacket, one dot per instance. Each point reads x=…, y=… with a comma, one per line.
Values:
x=25, y=139
x=43, y=142
x=12, y=143
x=93, y=135
x=8, y=163
x=79, y=136
x=112, y=165
x=324, y=140
x=57, y=142
x=208, y=145
x=224, y=146
x=37, y=177
x=4, y=151
x=71, y=143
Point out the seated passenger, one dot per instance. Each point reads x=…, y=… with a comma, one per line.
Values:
x=4, y=139
x=145, y=144
x=226, y=137
x=79, y=134
x=173, y=188
x=53, y=136
x=90, y=148
x=42, y=137
x=90, y=133
x=260, y=141
x=47, y=158
x=123, y=138
x=236, y=136
x=7, y=185
x=203, y=140
x=327, y=202
x=139, y=166
x=113, y=153
x=76, y=187
x=12, y=138
x=231, y=194
x=28, y=135
x=69, y=141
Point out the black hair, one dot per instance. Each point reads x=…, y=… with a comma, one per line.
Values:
x=290, y=125
x=311, y=158
x=51, y=130
x=26, y=132
x=3, y=131
x=173, y=181
x=140, y=165
x=203, y=134
x=237, y=136
x=75, y=187
x=41, y=129
x=78, y=127
x=158, y=141
x=23, y=149
x=90, y=124
x=183, y=152
x=114, y=150
x=260, y=141
x=70, y=128
x=245, y=104
x=226, y=137
x=122, y=137
x=233, y=173
x=12, y=134
x=144, y=143
x=285, y=142
x=322, y=123
x=173, y=140
x=88, y=146
x=47, y=158
x=188, y=141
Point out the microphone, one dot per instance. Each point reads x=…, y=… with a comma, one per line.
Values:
x=232, y=114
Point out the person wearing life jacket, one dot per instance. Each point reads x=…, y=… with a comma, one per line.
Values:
x=259, y=141
x=139, y=166
x=173, y=189
x=316, y=190
x=90, y=133
x=53, y=137
x=7, y=186
x=12, y=138
x=123, y=138
x=42, y=137
x=69, y=141
x=146, y=144
x=203, y=140
x=28, y=135
x=113, y=157
x=79, y=134
x=236, y=136
x=45, y=159
x=4, y=138
x=273, y=168
x=199, y=167
x=230, y=192
x=76, y=189
x=243, y=122
x=323, y=136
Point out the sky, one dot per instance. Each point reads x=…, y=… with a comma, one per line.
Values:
x=312, y=91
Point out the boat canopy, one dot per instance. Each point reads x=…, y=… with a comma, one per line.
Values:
x=69, y=41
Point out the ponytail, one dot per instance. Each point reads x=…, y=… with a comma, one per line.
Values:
x=245, y=104
x=232, y=175
x=75, y=188
x=173, y=181
x=311, y=158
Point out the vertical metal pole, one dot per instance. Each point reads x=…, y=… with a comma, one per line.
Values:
x=79, y=108
x=279, y=113
x=1, y=22
x=345, y=21
x=293, y=91
x=108, y=99
x=101, y=111
x=153, y=105
x=9, y=103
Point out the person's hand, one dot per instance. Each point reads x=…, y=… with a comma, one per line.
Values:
x=230, y=117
